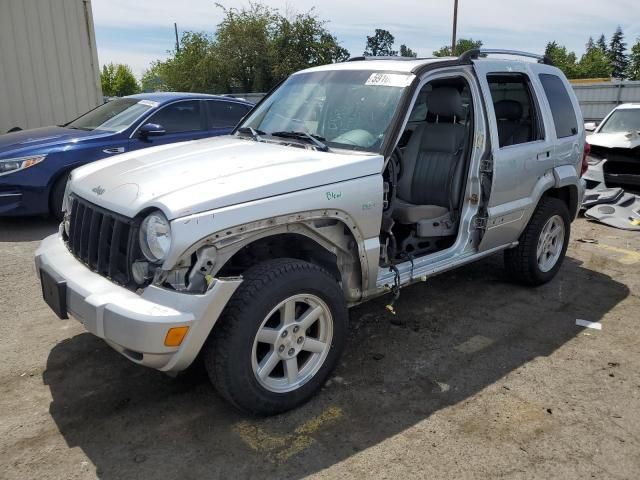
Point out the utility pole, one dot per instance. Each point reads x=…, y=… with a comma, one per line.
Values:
x=455, y=26
x=175, y=28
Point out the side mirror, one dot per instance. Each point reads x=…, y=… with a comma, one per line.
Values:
x=590, y=126
x=151, y=130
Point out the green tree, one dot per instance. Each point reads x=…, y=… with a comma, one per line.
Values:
x=602, y=43
x=153, y=79
x=118, y=80
x=106, y=79
x=124, y=82
x=380, y=44
x=590, y=44
x=563, y=59
x=617, y=48
x=633, y=69
x=407, y=52
x=188, y=69
x=243, y=43
x=462, y=45
x=594, y=64
x=301, y=42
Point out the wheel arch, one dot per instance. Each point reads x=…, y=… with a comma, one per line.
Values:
x=327, y=240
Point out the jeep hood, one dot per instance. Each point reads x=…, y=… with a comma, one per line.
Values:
x=193, y=177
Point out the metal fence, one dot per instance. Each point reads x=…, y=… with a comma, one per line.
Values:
x=598, y=99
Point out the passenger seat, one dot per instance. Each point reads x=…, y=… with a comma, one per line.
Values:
x=432, y=171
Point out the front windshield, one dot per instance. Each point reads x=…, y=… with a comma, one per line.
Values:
x=112, y=116
x=623, y=120
x=349, y=109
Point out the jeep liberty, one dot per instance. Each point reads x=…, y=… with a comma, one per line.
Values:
x=346, y=182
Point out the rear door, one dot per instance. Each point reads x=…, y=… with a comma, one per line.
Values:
x=182, y=120
x=568, y=125
x=223, y=116
x=521, y=147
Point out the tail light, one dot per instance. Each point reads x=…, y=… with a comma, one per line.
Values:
x=585, y=164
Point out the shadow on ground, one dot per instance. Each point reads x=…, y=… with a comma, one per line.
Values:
x=26, y=229
x=453, y=337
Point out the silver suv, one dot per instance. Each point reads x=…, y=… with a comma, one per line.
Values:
x=348, y=181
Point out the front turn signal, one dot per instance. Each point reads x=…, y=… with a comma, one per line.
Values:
x=175, y=336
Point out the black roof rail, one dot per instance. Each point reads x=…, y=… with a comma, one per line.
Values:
x=475, y=53
x=386, y=57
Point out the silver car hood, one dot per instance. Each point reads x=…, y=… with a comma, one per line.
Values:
x=193, y=177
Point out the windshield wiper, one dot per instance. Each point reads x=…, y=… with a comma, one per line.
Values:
x=255, y=134
x=315, y=139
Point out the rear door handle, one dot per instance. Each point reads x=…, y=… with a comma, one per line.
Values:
x=114, y=150
x=544, y=155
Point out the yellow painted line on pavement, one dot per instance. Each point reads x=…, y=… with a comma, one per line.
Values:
x=629, y=257
x=282, y=447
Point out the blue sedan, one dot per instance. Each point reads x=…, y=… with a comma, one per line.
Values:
x=35, y=164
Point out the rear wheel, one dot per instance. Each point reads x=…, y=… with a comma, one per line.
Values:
x=542, y=245
x=279, y=338
x=57, y=196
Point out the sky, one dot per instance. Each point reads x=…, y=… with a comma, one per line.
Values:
x=138, y=32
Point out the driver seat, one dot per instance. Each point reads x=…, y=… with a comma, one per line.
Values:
x=432, y=173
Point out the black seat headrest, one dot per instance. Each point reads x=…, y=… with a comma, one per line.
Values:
x=508, y=110
x=445, y=102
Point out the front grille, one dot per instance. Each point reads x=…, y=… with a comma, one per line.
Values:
x=102, y=240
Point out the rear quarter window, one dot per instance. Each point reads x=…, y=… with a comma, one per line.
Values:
x=564, y=116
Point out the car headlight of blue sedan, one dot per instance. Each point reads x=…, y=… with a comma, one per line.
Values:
x=10, y=165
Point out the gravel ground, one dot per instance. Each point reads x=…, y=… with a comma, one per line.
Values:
x=475, y=378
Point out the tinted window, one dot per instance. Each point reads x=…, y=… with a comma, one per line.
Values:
x=112, y=116
x=225, y=114
x=515, y=108
x=179, y=117
x=564, y=117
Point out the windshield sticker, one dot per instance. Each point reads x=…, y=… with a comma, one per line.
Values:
x=149, y=103
x=389, y=80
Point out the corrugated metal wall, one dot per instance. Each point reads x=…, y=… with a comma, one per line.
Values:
x=49, y=71
x=598, y=99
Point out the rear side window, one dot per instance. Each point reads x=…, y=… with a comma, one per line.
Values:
x=516, y=109
x=564, y=117
x=179, y=117
x=225, y=114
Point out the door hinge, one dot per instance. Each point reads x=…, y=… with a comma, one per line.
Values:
x=480, y=222
x=486, y=165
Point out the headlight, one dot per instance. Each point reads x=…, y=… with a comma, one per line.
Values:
x=66, y=206
x=155, y=237
x=10, y=165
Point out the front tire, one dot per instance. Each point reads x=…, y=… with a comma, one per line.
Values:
x=542, y=245
x=57, y=197
x=279, y=337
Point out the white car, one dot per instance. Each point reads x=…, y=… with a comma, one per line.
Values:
x=615, y=146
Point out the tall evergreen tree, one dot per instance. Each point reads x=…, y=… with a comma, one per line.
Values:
x=633, y=70
x=617, y=48
x=602, y=43
x=590, y=45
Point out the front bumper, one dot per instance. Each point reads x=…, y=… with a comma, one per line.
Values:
x=135, y=325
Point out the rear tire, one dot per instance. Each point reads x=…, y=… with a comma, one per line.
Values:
x=542, y=245
x=279, y=337
x=57, y=196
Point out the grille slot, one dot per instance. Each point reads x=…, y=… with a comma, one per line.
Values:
x=102, y=240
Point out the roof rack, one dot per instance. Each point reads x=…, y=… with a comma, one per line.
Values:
x=385, y=57
x=475, y=53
